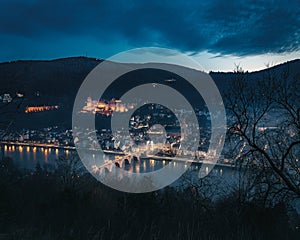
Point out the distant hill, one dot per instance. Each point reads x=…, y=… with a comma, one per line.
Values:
x=223, y=79
x=52, y=78
x=57, y=82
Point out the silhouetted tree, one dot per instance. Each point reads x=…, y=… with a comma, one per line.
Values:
x=264, y=118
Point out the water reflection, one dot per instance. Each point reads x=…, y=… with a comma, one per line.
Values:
x=26, y=157
x=46, y=155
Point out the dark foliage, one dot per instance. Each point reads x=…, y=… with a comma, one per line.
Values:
x=42, y=205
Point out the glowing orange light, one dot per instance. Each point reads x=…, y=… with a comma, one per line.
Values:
x=40, y=108
x=104, y=107
x=152, y=162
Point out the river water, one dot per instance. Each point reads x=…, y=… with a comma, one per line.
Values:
x=27, y=157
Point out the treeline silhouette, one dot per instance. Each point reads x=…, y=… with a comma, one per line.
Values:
x=63, y=203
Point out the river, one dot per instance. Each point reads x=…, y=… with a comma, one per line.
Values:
x=220, y=179
x=27, y=157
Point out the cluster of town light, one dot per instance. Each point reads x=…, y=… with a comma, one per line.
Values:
x=40, y=108
x=105, y=107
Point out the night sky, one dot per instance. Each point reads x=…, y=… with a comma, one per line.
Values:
x=217, y=33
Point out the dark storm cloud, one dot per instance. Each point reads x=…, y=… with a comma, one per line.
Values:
x=224, y=27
